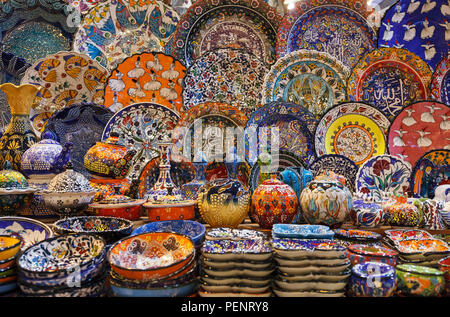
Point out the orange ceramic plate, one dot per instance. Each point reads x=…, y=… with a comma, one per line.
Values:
x=422, y=246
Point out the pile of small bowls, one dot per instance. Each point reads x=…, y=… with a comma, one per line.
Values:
x=64, y=266
x=153, y=264
x=9, y=249
x=372, y=279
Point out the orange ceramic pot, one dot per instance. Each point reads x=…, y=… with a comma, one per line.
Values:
x=170, y=211
x=107, y=187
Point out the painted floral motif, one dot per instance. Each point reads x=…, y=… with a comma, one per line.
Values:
x=440, y=85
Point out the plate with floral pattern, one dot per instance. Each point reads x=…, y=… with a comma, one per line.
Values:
x=116, y=29
x=389, y=79
x=338, y=164
x=250, y=25
x=312, y=79
x=141, y=126
x=440, y=85
x=146, y=77
x=383, y=173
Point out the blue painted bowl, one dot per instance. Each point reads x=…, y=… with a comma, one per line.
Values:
x=172, y=291
x=29, y=231
x=372, y=279
x=301, y=231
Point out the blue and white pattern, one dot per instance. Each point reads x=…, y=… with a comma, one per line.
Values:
x=338, y=164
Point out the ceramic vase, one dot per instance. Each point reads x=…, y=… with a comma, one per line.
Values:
x=366, y=214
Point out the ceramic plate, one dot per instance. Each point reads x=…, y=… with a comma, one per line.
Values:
x=312, y=79
x=338, y=164
x=82, y=124
x=339, y=28
x=238, y=272
x=224, y=250
x=423, y=246
x=12, y=68
x=389, y=79
x=310, y=286
x=280, y=230
x=355, y=234
x=234, y=234
x=419, y=128
x=211, y=24
x=440, y=85
x=150, y=77
x=283, y=293
x=225, y=75
x=383, y=173
x=235, y=264
x=319, y=269
x=419, y=27
x=313, y=264
x=430, y=171
x=116, y=29
x=28, y=230
x=297, y=248
x=407, y=234
x=142, y=126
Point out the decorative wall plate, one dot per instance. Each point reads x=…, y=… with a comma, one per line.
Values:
x=67, y=78
x=82, y=124
x=209, y=24
x=419, y=26
x=440, y=85
x=141, y=126
x=339, y=28
x=389, y=79
x=312, y=79
x=116, y=29
x=12, y=68
x=225, y=75
x=430, y=171
x=336, y=163
x=420, y=127
x=383, y=173
x=215, y=170
x=146, y=77
x=354, y=130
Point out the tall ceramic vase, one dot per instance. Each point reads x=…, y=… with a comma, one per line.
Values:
x=19, y=135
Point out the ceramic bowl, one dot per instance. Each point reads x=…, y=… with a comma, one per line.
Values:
x=234, y=234
x=301, y=231
x=421, y=250
x=8, y=287
x=287, y=285
x=94, y=288
x=311, y=262
x=9, y=246
x=313, y=269
x=253, y=282
x=182, y=290
x=110, y=228
x=172, y=211
x=30, y=231
x=231, y=250
x=360, y=253
x=356, y=235
x=60, y=256
x=296, y=248
x=415, y=280
x=192, y=229
x=332, y=277
x=231, y=265
x=366, y=214
x=234, y=289
x=129, y=211
x=7, y=263
x=238, y=272
x=407, y=234
x=372, y=279
x=151, y=255
x=444, y=266
x=67, y=203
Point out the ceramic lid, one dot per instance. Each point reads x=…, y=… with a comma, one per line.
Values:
x=70, y=181
x=10, y=179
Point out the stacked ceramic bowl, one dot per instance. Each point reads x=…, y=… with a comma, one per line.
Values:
x=153, y=264
x=9, y=248
x=64, y=266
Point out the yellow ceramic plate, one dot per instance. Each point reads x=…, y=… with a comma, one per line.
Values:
x=9, y=246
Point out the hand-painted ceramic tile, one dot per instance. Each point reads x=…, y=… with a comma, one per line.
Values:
x=335, y=27
x=210, y=24
x=419, y=26
x=146, y=77
x=430, y=171
x=440, y=85
x=383, y=173
x=225, y=75
x=419, y=128
x=12, y=68
x=66, y=78
x=312, y=79
x=389, y=79
x=142, y=126
x=338, y=164
x=116, y=29
x=82, y=124
x=355, y=130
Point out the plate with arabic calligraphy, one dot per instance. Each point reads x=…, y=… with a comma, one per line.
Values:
x=430, y=171
x=210, y=24
x=312, y=79
x=141, y=126
x=440, y=85
x=420, y=127
x=339, y=28
x=116, y=29
x=389, y=79
x=146, y=77
x=225, y=75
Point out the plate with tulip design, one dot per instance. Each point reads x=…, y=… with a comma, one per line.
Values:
x=338, y=164
x=381, y=174
x=440, y=85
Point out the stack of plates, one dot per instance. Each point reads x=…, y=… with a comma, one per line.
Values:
x=310, y=268
x=236, y=268
x=9, y=248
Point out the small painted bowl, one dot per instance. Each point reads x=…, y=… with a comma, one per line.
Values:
x=372, y=279
x=110, y=228
x=151, y=255
x=9, y=246
x=171, y=211
x=29, y=231
x=415, y=280
x=192, y=229
x=360, y=253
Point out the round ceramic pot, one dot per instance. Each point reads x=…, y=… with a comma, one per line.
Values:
x=415, y=280
x=326, y=202
x=400, y=212
x=274, y=202
x=444, y=266
x=366, y=214
x=372, y=279
x=170, y=211
x=224, y=203
x=442, y=193
x=431, y=211
x=361, y=253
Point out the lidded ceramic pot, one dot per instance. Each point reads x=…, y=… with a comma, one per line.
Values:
x=274, y=202
x=401, y=212
x=415, y=280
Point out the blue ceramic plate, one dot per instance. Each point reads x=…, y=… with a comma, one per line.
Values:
x=306, y=245
x=301, y=231
x=28, y=230
x=236, y=247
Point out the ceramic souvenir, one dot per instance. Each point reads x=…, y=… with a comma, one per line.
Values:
x=366, y=213
x=311, y=249
x=401, y=212
x=439, y=88
x=357, y=236
x=361, y=253
x=389, y=79
x=223, y=233
x=208, y=25
x=415, y=280
x=442, y=193
x=184, y=290
x=421, y=250
x=83, y=6
x=431, y=210
x=107, y=187
x=12, y=68
x=236, y=250
x=9, y=246
x=301, y=231
x=5, y=110
x=95, y=288
x=29, y=231
x=372, y=279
